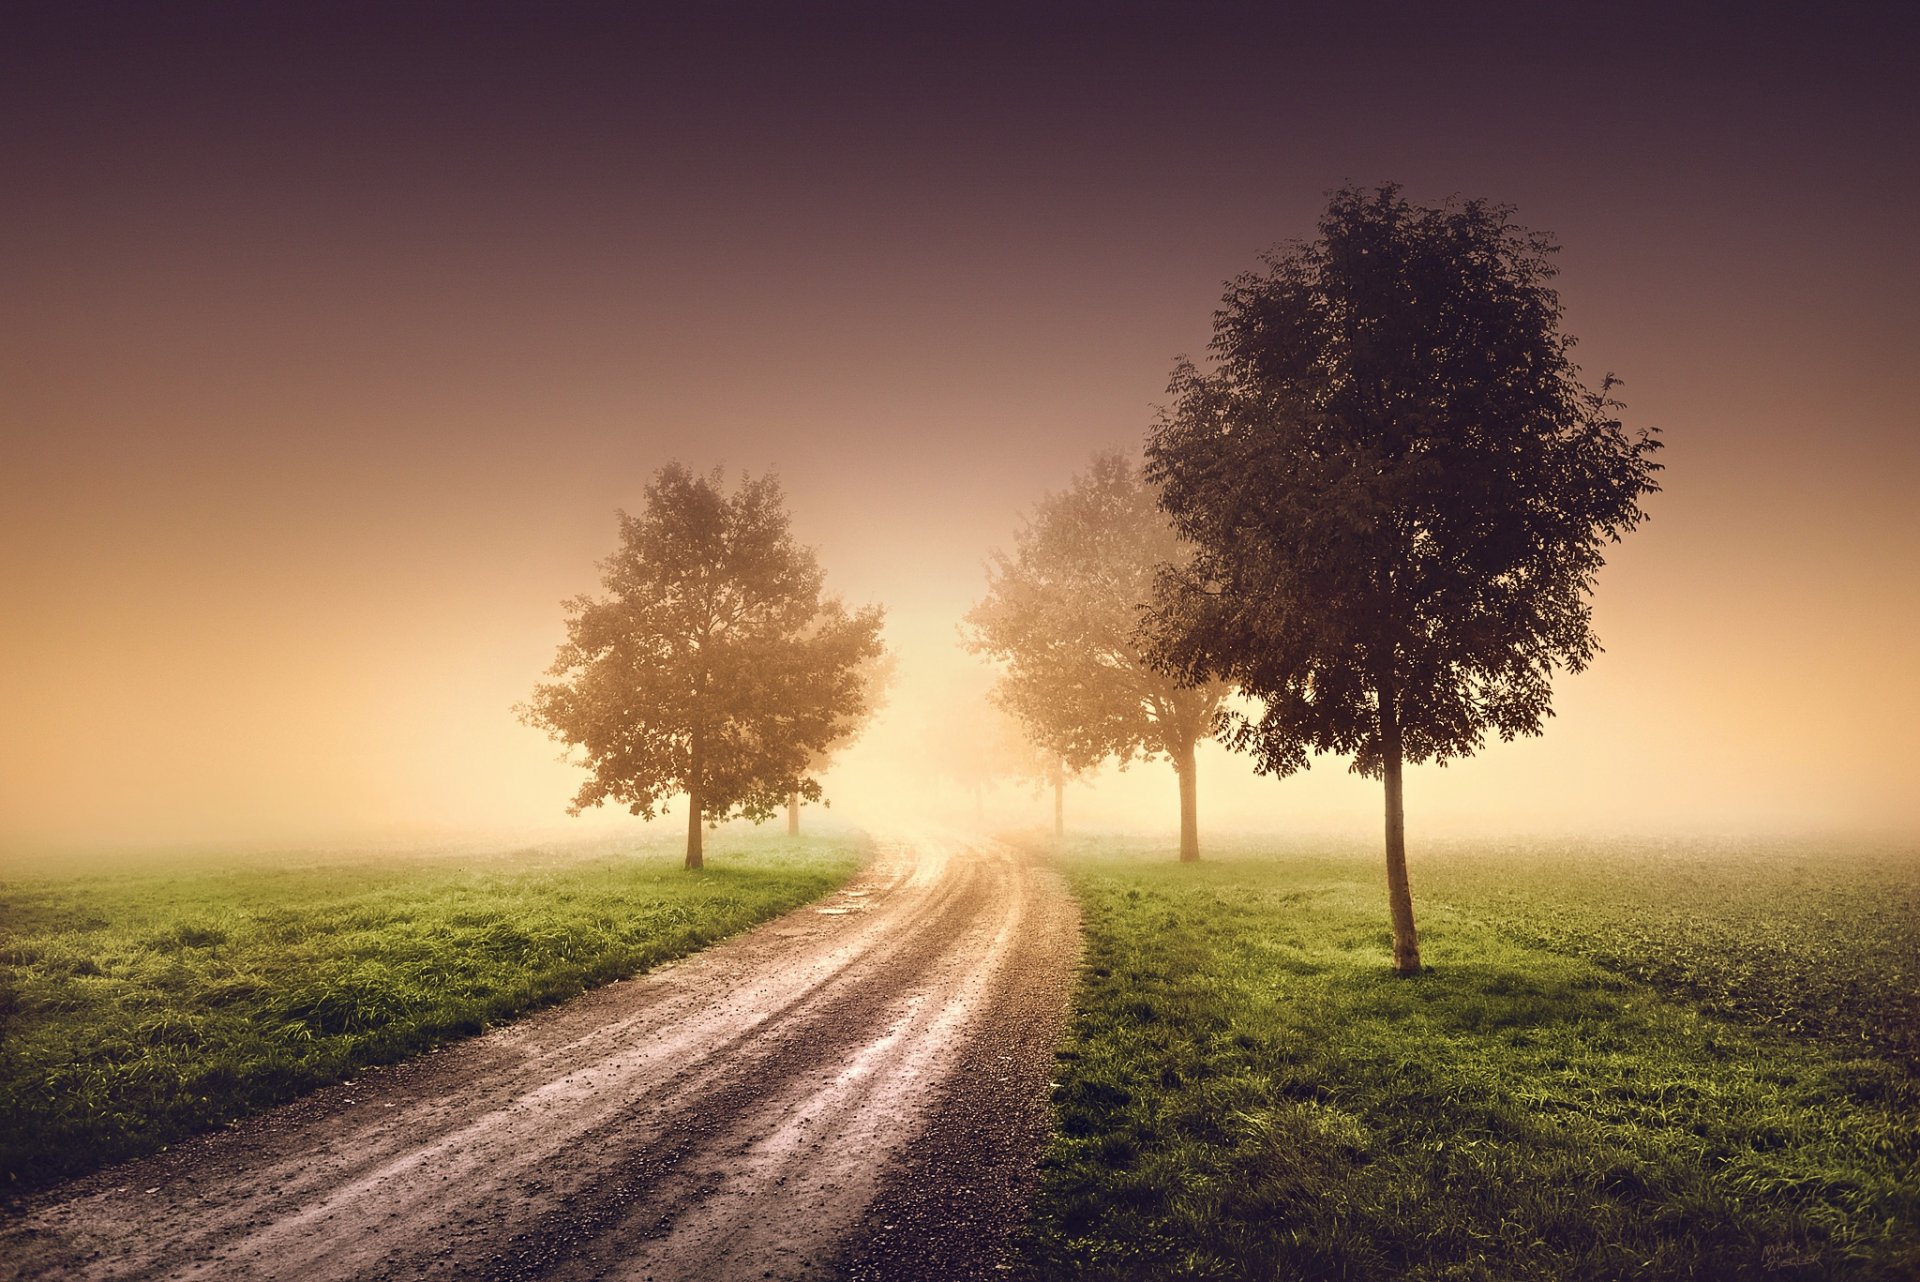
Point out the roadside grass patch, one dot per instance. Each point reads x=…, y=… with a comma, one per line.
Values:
x=140, y=1004
x=1247, y=1091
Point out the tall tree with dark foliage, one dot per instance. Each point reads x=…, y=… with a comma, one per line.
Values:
x=714, y=666
x=1401, y=492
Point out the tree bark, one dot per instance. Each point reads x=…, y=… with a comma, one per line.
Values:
x=1183, y=765
x=1406, y=940
x=1059, y=803
x=695, y=856
x=793, y=814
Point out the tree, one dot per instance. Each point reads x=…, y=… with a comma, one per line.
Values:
x=1022, y=756
x=1400, y=491
x=713, y=667
x=1063, y=613
x=979, y=744
x=875, y=675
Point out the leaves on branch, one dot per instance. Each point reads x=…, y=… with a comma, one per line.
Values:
x=1062, y=615
x=713, y=662
x=1395, y=481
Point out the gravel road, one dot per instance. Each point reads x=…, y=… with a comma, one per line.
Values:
x=854, y=1090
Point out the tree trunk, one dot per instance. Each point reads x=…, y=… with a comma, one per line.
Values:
x=695, y=857
x=979, y=804
x=1406, y=941
x=1059, y=803
x=1183, y=765
x=793, y=814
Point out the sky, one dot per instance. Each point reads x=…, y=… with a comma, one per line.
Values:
x=332, y=338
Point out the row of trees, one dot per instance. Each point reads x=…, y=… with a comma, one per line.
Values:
x=1389, y=494
x=1376, y=513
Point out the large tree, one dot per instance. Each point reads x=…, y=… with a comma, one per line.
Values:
x=713, y=667
x=1062, y=614
x=1400, y=490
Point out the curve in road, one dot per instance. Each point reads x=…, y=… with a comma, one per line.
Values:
x=856, y=1089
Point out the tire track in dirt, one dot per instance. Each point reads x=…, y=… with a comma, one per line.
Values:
x=776, y=1106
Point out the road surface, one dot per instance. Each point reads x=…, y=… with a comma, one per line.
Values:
x=854, y=1090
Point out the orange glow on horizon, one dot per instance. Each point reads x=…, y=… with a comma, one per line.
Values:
x=322, y=394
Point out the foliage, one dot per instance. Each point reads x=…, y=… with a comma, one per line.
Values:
x=1063, y=614
x=875, y=675
x=1062, y=611
x=714, y=666
x=1395, y=480
x=143, y=1006
x=1245, y=1094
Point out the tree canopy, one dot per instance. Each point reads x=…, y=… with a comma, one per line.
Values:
x=1400, y=491
x=1062, y=614
x=713, y=667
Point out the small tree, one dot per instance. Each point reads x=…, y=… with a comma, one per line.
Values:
x=980, y=745
x=1043, y=764
x=1400, y=491
x=713, y=667
x=1063, y=615
x=876, y=674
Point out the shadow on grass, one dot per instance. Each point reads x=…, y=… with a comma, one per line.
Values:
x=1249, y=1091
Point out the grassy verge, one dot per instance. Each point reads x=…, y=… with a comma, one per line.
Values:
x=1248, y=1093
x=143, y=1004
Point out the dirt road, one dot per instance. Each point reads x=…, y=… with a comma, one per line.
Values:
x=856, y=1089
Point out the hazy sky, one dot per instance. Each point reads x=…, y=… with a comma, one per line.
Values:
x=329, y=343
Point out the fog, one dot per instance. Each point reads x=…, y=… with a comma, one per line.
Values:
x=326, y=375
x=339, y=660
x=386, y=716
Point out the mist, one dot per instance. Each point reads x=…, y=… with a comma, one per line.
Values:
x=818, y=640
x=314, y=420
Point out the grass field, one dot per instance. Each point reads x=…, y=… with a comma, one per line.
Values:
x=140, y=1003
x=1623, y=1063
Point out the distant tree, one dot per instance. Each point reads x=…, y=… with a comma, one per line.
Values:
x=1054, y=773
x=1063, y=613
x=1024, y=757
x=980, y=745
x=1400, y=491
x=876, y=674
x=713, y=667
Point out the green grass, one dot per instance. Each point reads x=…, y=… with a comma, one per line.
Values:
x=139, y=1004
x=1582, y=1085
x=1785, y=935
